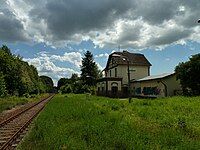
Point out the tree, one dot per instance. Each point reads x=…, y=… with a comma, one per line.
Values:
x=9, y=68
x=62, y=82
x=66, y=89
x=66, y=85
x=6, y=50
x=74, y=78
x=188, y=73
x=2, y=85
x=99, y=72
x=48, y=82
x=19, y=77
x=89, y=71
x=79, y=87
x=29, y=79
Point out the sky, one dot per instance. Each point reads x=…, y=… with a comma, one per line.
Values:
x=53, y=35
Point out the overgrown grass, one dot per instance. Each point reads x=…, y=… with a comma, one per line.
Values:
x=10, y=102
x=81, y=122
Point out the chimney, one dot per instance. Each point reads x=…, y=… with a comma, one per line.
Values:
x=125, y=51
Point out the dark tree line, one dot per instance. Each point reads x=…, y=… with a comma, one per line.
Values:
x=17, y=77
x=86, y=82
x=189, y=75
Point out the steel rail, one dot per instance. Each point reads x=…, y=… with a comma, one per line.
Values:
x=25, y=125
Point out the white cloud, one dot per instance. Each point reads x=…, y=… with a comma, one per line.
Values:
x=102, y=55
x=72, y=57
x=46, y=66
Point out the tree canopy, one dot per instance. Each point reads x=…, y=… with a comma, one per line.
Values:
x=67, y=85
x=17, y=77
x=48, y=82
x=62, y=82
x=188, y=73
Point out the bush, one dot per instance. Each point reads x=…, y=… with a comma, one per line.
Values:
x=26, y=95
x=66, y=89
x=93, y=90
x=79, y=88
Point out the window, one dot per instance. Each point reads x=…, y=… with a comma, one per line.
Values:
x=132, y=69
x=115, y=72
x=110, y=73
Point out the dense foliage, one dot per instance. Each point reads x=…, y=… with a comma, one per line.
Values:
x=84, y=84
x=48, y=82
x=188, y=73
x=17, y=77
x=62, y=82
x=74, y=84
x=2, y=85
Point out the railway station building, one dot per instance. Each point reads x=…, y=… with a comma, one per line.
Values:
x=115, y=82
x=124, y=69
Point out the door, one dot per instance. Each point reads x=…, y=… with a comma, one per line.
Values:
x=114, y=91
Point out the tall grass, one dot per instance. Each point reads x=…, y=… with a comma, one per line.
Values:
x=10, y=102
x=82, y=122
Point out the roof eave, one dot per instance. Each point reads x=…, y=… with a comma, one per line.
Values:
x=153, y=78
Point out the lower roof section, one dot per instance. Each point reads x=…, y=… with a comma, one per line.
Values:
x=154, y=77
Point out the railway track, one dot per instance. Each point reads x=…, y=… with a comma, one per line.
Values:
x=14, y=128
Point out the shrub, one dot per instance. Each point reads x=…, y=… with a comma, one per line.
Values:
x=93, y=90
x=26, y=95
x=66, y=89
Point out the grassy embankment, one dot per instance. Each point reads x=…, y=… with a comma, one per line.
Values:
x=10, y=102
x=74, y=122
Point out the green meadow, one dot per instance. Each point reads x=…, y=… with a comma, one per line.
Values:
x=7, y=103
x=91, y=122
